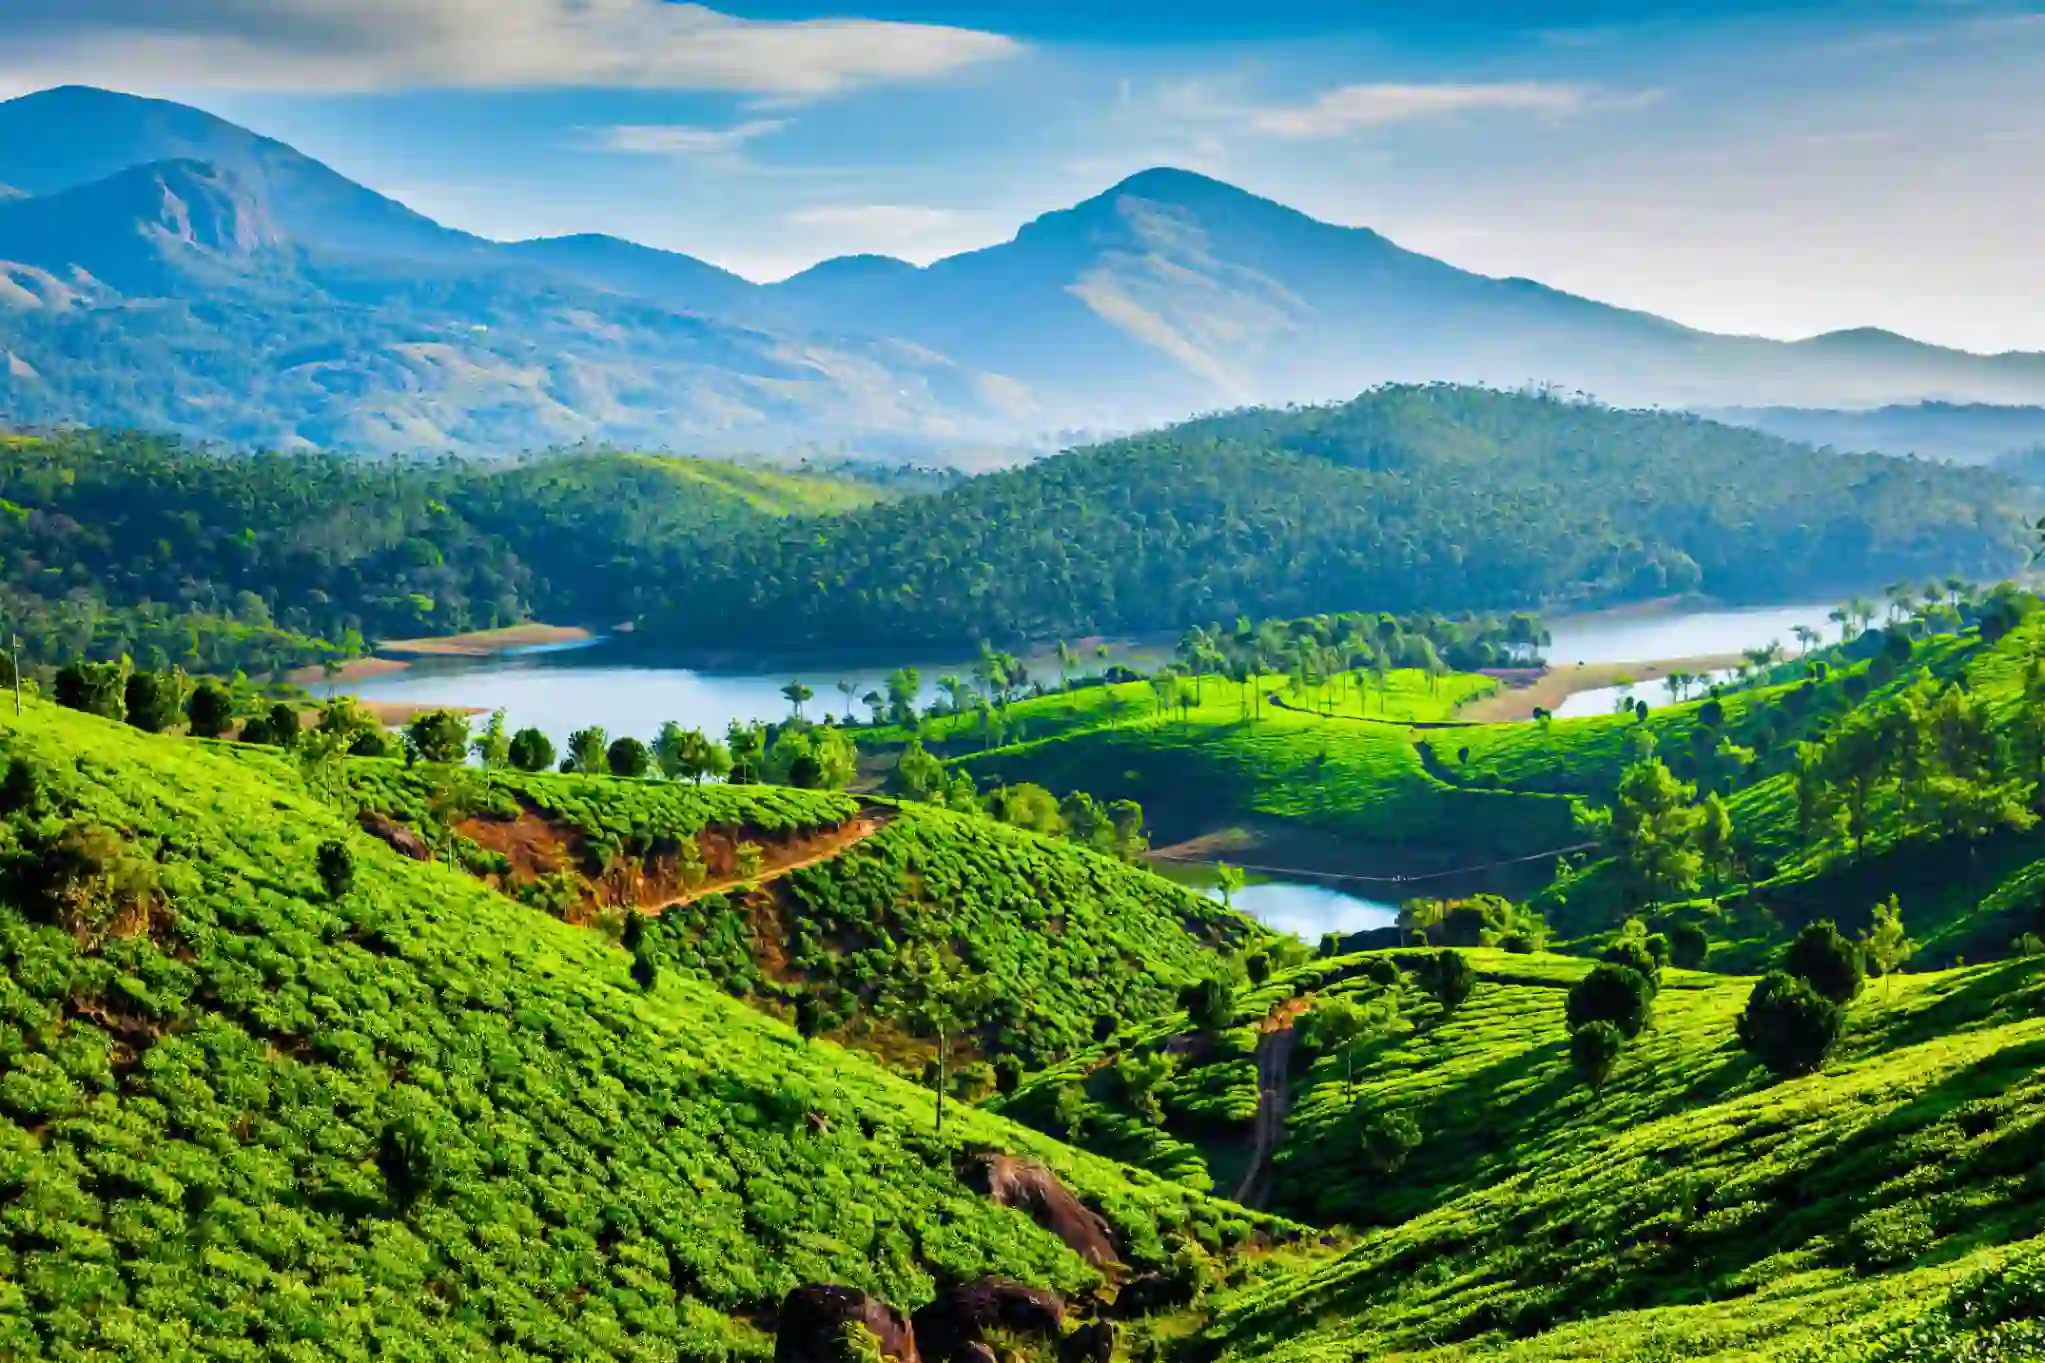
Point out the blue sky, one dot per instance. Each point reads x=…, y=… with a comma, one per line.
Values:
x=1780, y=170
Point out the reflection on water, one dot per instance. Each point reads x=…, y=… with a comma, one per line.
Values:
x=1308, y=910
x=1604, y=700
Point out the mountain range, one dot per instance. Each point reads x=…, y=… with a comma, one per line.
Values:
x=162, y=267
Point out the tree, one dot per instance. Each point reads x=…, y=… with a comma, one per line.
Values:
x=491, y=747
x=1026, y=805
x=1614, y=994
x=690, y=753
x=628, y=757
x=279, y=727
x=210, y=711
x=1885, y=946
x=1827, y=961
x=939, y=997
x=440, y=736
x=809, y=1016
x=588, y=751
x=641, y=942
x=1789, y=1026
x=336, y=867
x=1385, y=1139
x=747, y=744
x=531, y=750
x=95, y=688
x=796, y=694
x=1339, y=1024
x=1141, y=1076
x=1657, y=829
x=1715, y=840
x=1594, y=1049
x=812, y=757
x=1228, y=879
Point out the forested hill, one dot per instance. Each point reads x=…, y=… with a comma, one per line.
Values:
x=1439, y=497
x=117, y=543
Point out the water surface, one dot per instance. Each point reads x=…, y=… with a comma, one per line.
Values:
x=1309, y=910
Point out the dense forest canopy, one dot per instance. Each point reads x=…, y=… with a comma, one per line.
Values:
x=1435, y=497
x=123, y=542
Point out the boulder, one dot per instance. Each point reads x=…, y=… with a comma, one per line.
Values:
x=1031, y=1188
x=1093, y=1342
x=814, y=1319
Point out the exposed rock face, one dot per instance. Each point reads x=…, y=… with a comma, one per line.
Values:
x=403, y=840
x=949, y=1329
x=1030, y=1187
x=814, y=1319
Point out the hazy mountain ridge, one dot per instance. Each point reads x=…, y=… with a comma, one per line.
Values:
x=172, y=269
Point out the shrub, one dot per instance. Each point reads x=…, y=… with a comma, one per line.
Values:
x=1594, y=1048
x=210, y=710
x=95, y=688
x=154, y=701
x=1631, y=953
x=1689, y=946
x=94, y=881
x=1614, y=994
x=1830, y=963
x=336, y=867
x=1789, y=1025
x=1210, y=1004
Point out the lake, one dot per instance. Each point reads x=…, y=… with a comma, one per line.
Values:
x=1643, y=636
x=1308, y=910
x=559, y=689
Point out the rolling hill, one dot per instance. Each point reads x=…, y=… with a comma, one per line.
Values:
x=332, y=315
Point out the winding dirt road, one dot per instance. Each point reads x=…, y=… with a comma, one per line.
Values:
x=1274, y=1100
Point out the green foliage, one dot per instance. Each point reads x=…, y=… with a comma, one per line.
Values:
x=335, y=863
x=1827, y=961
x=210, y=710
x=1789, y=1025
x=1594, y=1048
x=438, y=736
x=628, y=757
x=1612, y=994
x=588, y=752
x=154, y=702
x=1385, y=1140
x=530, y=750
x=811, y=757
x=1210, y=1003
x=1449, y=978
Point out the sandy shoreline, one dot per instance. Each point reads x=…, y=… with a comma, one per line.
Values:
x=1512, y=703
x=485, y=642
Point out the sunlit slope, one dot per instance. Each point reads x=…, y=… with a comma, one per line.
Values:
x=419, y=1118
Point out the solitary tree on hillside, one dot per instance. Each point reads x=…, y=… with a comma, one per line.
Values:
x=1228, y=879
x=531, y=750
x=210, y=710
x=796, y=694
x=627, y=757
x=1885, y=946
x=588, y=751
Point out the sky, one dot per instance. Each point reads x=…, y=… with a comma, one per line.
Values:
x=1768, y=169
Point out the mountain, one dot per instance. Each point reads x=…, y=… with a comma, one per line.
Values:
x=1172, y=292
x=323, y=312
x=669, y=278
x=1966, y=433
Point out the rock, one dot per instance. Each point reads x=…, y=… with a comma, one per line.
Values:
x=1093, y=1342
x=949, y=1327
x=1031, y=1188
x=814, y=1319
x=403, y=840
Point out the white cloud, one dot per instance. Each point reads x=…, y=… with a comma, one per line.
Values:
x=1351, y=108
x=681, y=139
x=371, y=45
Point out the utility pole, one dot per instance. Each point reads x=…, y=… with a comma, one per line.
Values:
x=14, y=660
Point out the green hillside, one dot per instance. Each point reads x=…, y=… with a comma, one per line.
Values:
x=1437, y=497
x=241, y=1114
x=843, y=900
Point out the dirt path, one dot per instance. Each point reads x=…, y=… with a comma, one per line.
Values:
x=848, y=835
x=1557, y=684
x=1274, y=1100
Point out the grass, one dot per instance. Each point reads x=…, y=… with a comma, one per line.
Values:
x=241, y=1118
